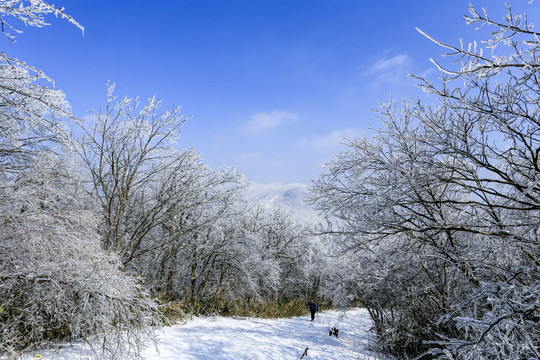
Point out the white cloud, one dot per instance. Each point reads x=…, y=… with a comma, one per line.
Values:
x=268, y=121
x=390, y=64
x=389, y=70
x=331, y=139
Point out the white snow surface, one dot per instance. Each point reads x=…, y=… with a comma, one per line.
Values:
x=224, y=338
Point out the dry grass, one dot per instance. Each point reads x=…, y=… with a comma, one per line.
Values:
x=176, y=310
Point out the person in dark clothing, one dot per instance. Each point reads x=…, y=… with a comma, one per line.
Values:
x=313, y=308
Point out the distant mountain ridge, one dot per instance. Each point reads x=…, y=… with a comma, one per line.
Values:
x=289, y=196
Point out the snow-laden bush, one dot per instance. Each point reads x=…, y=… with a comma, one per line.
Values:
x=56, y=283
x=502, y=318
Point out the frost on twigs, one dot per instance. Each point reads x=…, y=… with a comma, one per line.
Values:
x=29, y=108
x=30, y=113
x=30, y=13
x=513, y=45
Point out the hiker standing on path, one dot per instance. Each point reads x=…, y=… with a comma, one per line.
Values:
x=313, y=308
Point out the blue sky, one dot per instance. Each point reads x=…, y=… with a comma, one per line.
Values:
x=271, y=86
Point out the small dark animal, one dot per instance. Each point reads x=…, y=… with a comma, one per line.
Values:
x=333, y=331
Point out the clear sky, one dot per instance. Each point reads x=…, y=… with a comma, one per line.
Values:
x=271, y=86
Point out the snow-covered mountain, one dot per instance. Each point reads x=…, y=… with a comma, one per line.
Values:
x=288, y=196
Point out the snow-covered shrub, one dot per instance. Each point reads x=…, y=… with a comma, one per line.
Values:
x=56, y=282
x=501, y=320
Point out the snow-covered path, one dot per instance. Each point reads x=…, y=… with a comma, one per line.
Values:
x=219, y=338
x=228, y=338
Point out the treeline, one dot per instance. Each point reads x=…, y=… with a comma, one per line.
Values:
x=183, y=226
x=438, y=214
x=97, y=231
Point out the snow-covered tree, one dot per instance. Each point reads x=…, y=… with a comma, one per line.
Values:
x=236, y=252
x=276, y=255
x=199, y=201
x=440, y=209
x=56, y=284
x=161, y=207
x=125, y=151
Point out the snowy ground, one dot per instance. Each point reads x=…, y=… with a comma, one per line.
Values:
x=219, y=338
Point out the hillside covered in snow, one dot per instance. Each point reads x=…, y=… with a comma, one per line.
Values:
x=288, y=196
